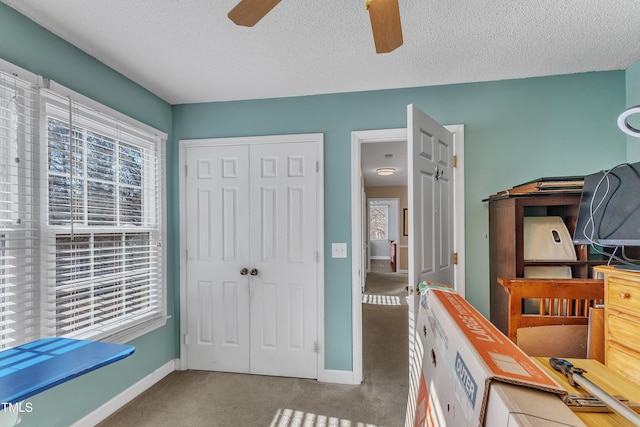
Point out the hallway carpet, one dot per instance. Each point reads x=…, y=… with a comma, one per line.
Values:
x=198, y=398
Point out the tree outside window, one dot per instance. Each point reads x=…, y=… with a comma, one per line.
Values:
x=378, y=222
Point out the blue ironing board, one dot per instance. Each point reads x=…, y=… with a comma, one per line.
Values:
x=37, y=366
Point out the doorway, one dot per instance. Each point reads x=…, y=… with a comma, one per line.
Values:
x=359, y=247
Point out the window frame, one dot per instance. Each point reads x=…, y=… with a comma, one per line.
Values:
x=28, y=199
x=98, y=117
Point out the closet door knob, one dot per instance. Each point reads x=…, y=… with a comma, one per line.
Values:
x=244, y=271
x=254, y=271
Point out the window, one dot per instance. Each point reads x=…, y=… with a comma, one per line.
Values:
x=378, y=222
x=20, y=276
x=81, y=218
x=104, y=224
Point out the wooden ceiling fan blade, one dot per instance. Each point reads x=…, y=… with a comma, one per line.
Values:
x=385, y=24
x=248, y=12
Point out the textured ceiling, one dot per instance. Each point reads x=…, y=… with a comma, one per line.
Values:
x=375, y=156
x=188, y=51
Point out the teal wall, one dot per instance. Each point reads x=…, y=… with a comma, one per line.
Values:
x=515, y=131
x=633, y=98
x=29, y=46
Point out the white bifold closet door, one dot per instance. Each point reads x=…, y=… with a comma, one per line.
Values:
x=252, y=258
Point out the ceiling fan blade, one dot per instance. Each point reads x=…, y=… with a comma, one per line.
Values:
x=385, y=23
x=248, y=12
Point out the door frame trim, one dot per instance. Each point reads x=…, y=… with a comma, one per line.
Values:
x=318, y=139
x=395, y=135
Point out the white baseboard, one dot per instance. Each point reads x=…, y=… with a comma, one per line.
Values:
x=126, y=396
x=337, y=377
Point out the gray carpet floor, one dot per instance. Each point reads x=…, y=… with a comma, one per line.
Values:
x=198, y=398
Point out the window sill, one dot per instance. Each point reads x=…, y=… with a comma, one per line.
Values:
x=137, y=331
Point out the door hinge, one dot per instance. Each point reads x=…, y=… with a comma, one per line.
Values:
x=316, y=347
x=455, y=258
x=317, y=167
x=454, y=161
x=186, y=339
x=186, y=170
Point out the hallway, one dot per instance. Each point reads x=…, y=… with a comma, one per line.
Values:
x=385, y=334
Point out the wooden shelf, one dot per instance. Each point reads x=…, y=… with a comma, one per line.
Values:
x=506, y=247
x=591, y=262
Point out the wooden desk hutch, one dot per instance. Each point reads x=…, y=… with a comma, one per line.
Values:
x=506, y=248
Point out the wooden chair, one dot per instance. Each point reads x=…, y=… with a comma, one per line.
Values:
x=561, y=316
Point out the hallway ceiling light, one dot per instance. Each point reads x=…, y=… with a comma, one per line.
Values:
x=385, y=171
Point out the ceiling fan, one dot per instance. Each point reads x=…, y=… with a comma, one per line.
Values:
x=384, y=15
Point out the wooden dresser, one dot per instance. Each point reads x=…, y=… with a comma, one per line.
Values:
x=622, y=321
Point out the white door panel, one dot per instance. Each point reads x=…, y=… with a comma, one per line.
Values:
x=252, y=206
x=445, y=206
x=430, y=190
x=217, y=222
x=426, y=218
x=430, y=149
x=283, y=302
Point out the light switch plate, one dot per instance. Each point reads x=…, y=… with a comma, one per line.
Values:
x=338, y=250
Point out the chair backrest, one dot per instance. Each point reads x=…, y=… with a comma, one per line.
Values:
x=560, y=301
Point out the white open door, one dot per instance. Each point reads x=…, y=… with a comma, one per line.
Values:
x=431, y=234
x=430, y=189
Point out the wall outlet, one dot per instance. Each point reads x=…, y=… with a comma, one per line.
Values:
x=338, y=250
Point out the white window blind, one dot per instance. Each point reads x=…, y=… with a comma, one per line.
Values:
x=19, y=209
x=81, y=216
x=104, y=228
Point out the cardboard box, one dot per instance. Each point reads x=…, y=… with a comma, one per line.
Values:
x=465, y=372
